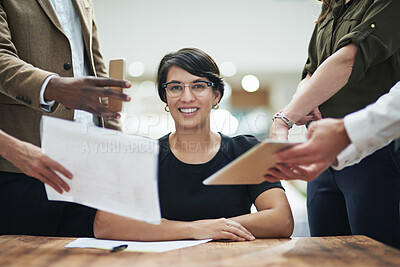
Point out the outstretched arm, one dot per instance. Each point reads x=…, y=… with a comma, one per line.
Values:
x=30, y=160
x=274, y=219
x=326, y=139
x=110, y=226
x=331, y=76
x=16, y=75
x=367, y=130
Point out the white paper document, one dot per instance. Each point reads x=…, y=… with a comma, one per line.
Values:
x=112, y=171
x=162, y=246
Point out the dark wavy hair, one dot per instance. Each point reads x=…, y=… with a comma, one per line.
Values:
x=194, y=61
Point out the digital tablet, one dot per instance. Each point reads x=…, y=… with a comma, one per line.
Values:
x=251, y=166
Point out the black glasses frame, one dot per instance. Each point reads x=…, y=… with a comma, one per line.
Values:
x=164, y=85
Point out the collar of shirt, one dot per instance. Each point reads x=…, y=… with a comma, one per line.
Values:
x=340, y=7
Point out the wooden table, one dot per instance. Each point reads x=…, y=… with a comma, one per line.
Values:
x=301, y=251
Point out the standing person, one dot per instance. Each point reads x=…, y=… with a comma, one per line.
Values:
x=46, y=47
x=190, y=85
x=354, y=58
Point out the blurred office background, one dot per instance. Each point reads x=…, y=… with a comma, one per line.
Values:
x=259, y=45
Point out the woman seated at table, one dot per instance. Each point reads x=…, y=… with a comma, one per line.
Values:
x=190, y=85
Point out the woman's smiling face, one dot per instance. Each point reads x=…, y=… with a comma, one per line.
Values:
x=192, y=108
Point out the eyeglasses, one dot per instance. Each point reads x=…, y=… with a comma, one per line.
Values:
x=175, y=88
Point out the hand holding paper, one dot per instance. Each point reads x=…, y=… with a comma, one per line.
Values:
x=112, y=171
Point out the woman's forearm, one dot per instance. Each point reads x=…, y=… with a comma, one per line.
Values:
x=302, y=84
x=267, y=223
x=111, y=226
x=274, y=218
x=331, y=76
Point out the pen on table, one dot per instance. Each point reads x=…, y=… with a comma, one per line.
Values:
x=118, y=248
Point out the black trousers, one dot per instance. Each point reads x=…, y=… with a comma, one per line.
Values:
x=359, y=200
x=24, y=209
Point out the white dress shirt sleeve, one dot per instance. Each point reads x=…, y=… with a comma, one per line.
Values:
x=371, y=128
x=46, y=105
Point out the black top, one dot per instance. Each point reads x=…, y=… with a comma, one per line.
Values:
x=183, y=196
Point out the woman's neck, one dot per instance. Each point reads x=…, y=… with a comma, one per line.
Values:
x=194, y=146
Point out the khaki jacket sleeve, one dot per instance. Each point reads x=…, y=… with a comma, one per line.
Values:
x=17, y=75
x=97, y=57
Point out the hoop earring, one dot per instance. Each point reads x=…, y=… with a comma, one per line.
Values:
x=166, y=108
x=216, y=106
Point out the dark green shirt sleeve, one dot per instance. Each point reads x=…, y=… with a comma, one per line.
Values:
x=311, y=64
x=377, y=37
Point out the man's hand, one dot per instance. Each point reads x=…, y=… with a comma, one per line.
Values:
x=31, y=161
x=326, y=139
x=295, y=172
x=84, y=93
x=312, y=116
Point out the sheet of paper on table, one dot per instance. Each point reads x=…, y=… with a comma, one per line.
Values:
x=161, y=246
x=112, y=171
